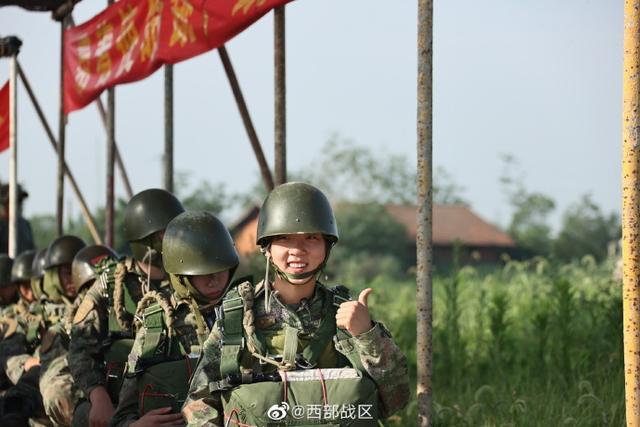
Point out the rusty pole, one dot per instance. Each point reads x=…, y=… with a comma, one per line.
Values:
x=424, y=290
x=91, y=224
x=280, y=137
x=12, y=244
x=62, y=120
x=246, y=118
x=630, y=214
x=168, y=127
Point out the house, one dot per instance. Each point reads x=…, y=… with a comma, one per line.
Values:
x=453, y=225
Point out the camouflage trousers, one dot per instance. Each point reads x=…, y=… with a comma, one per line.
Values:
x=60, y=395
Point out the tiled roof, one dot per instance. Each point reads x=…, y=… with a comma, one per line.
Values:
x=451, y=223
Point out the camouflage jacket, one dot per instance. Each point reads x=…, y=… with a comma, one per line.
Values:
x=90, y=332
x=379, y=355
x=190, y=337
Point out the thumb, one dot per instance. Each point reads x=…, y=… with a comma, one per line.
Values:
x=362, y=298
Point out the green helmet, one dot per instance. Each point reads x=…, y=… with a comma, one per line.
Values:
x=83, y=267
x=5, y=270
x=21, y=270
x=37, y=273
x=62, y=250
x=197, y=243
x=296, y=208
x=149, y=212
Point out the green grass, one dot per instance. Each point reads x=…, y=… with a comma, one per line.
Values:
x=529, y=344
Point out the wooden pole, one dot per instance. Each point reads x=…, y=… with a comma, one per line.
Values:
x=424, y=250
x=246, y=118
x=111, y=142
x=62, y=119
x=630, y=213
x=280, y=137
x=13, y=159
x=91, y=224
x=168, y=127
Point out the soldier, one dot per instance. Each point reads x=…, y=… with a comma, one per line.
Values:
x=102, y=332
x=24, y=369
x=59, y=392
x=21, y=277
x=200, y=257
x=269, y=356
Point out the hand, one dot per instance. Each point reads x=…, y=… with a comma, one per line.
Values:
x=102, y=409
x=159, y=417
x=354, y=315
x=30, y=363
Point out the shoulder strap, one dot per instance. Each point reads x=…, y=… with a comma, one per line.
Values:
x=230, y=315
x=155, y=315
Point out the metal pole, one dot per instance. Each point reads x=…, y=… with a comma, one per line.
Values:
x=13, y=159
x=280, y=137
x=119, y=162
x=91, y=224
x=630, y=214
x=246, y=118
x=424, y=290
x=168, y=127
x=61, y=139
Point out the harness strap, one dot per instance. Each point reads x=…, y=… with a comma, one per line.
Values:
x=155, y=326
x=230, y=323
x=290, y=345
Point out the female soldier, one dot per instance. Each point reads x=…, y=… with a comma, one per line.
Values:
x=292, y=351
x=199, y=255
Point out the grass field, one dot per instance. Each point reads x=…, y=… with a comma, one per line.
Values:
x=528, y=344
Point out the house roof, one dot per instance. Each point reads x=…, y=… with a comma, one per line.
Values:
x=452, y=223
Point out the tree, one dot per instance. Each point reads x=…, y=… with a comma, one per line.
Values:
x=529, y=222
x=371, y=243
x=586, y=230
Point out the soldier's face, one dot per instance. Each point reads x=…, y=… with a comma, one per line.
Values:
x=25, y=290
x=211, y=286
x=298, y=253
x=66, y=280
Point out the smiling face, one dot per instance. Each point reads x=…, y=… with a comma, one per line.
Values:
x=298, y=254
x=211, y=286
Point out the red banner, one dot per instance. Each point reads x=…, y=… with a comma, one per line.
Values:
x=131, y=39
x=4, y=117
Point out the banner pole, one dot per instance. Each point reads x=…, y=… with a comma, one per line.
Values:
x=109, y=210
x=246, y=118
x=62, y=119
x=91, y=224
x=13, y=159
x=280, y=109
x=168, y=127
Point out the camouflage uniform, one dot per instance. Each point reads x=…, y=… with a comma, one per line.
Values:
x=100, y=321
x=59, y=392
x=379, y=355
x=185, y=326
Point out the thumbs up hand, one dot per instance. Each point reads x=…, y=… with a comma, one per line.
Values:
x=354, y=315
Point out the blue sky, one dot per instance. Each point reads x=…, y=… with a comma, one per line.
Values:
x=541, y=80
